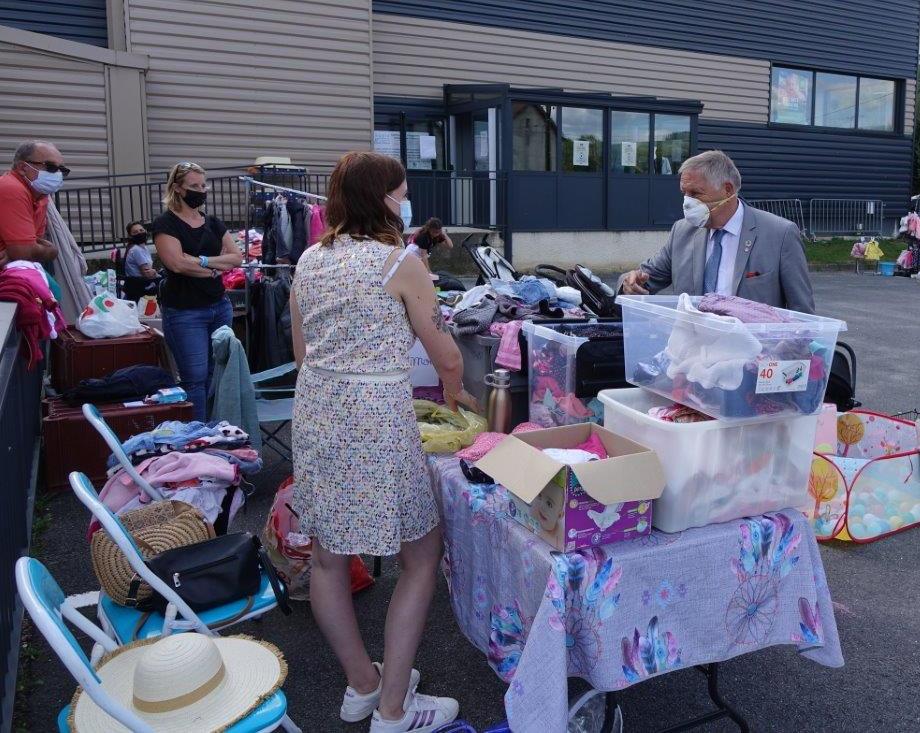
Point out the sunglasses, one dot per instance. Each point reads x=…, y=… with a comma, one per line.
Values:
x=50, y=167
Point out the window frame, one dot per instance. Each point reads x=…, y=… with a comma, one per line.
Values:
x=899, y=110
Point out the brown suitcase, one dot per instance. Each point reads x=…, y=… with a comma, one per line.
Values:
x=72, y=444
x=75, y=357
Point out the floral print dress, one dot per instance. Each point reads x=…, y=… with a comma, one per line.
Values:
x=361, y=483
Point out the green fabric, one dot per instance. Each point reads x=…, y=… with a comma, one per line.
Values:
x=53, y=286
x=231, y=385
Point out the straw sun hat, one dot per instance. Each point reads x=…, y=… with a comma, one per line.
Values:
x=183, y=683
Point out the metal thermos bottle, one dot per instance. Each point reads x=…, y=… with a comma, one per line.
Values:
x=499, y=408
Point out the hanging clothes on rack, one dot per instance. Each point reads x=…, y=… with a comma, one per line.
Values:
x=297, y=211
x=270, y=321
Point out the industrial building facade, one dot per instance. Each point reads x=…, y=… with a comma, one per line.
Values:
x=575, y=115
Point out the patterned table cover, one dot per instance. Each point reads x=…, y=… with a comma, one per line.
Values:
x=619, y=614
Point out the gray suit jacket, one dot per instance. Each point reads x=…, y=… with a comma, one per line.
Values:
x=770, y=266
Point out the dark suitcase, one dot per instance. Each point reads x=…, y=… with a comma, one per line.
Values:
x=75, y=357
x=71, y=443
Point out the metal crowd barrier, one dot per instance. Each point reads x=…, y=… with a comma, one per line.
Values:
x=790, y=209
x=846, y=216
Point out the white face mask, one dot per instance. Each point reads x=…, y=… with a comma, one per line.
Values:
x=47, y=183
x=697, y=212
x=405, y=211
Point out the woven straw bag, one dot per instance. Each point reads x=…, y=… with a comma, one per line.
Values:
x=161, y=526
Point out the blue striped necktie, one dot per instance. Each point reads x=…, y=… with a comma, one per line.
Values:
x=711, y=273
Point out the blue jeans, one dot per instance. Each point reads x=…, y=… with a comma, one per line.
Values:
x=188, y=335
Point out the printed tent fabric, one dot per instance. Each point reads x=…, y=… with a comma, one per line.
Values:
x=869, y=487
x=619, y=614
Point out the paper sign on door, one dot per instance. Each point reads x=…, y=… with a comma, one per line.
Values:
x=581, y=152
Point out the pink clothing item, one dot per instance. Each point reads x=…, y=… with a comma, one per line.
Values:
x=487, y=441
x=574, y=407
x=32, y=273
x=120, y=491
x=594, y=445
x=317, y=223
x=542, y=385
x=746, y=311
x=509, y=349
x=678, y=414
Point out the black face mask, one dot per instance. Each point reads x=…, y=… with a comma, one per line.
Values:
x=195, y=199
x=138, y=238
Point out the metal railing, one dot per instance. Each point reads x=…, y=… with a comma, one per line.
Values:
x=790, y=209
x=20, y=395
x=846, y=216
x=97, y=210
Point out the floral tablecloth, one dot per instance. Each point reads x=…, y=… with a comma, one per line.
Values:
x=618, y=614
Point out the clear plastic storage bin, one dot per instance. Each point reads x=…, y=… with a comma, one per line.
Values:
x=568, y=364
x=716, y=471
x=479, y=353
x=724, y=368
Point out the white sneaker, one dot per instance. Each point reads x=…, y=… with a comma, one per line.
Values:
x=356, y=706
x=423, y=714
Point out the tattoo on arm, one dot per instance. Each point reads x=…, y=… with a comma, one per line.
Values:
x=438, y=320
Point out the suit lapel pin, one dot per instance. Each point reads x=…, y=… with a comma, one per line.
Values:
x=747, y=245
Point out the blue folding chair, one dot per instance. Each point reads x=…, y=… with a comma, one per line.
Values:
x=125, y=624
x=275, y=406
x=94, y=417
x=45, y=602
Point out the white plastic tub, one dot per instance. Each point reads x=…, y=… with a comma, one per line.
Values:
x=729, y=370
x=716, y=471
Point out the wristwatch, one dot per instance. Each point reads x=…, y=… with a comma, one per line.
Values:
x=203, y=261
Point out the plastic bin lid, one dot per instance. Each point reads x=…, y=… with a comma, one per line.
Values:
x=665, y=306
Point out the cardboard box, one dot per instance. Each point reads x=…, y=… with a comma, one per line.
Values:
x=578, y=506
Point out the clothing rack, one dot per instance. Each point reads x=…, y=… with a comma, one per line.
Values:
x=249, y=182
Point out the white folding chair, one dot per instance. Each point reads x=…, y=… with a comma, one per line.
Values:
x=126, y=624
x=48, y=608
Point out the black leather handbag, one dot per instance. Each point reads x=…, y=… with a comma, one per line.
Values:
x=597, y=296
x=213, y=573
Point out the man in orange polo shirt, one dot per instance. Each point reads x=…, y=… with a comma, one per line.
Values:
x=38, y=170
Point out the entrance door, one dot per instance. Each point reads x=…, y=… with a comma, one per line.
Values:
x=474, y=156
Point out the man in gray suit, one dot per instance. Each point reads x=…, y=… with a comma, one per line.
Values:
x=723, y=246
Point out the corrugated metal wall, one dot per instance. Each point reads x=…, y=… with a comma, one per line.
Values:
x=415, y=57
x=56, y=98
x=785, y=163
x=843, y=35
x=230, y=80
x=76, y=20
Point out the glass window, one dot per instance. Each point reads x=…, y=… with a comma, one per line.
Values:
x=876, y=104
x=629, y=142
x=425, y=145
x=835, y=100
x=534, y=130
x=790, y=96
x=672, y=143
x=582, y=138
x=481, y=141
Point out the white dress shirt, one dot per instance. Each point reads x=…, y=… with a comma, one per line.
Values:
x=730, y=242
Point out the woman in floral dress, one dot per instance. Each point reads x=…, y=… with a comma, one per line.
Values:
x=360, y=478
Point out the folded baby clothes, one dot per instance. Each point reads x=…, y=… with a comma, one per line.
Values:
x=746, y=311
x=570, y=456
x=708, y=349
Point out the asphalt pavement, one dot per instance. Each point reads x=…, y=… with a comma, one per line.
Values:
x=875, y=587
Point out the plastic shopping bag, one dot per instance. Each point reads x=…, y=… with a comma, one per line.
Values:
x=444, y=431
x=290, y=551
x=108, y=317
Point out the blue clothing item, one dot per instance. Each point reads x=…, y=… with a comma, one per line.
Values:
x=188, y=335
x=529, y=289
x=246, y=467
x=138, y=256
x=234, y=396
x=170, y=433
